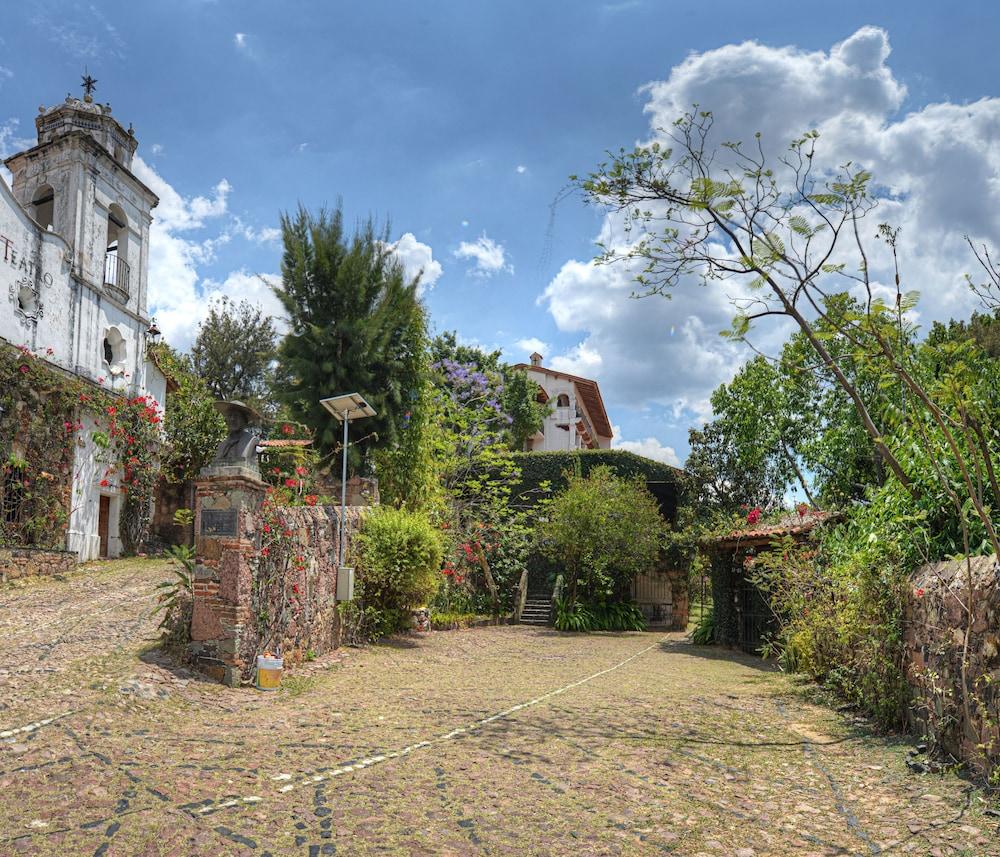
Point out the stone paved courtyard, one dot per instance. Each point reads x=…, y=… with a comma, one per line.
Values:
x=488, y=741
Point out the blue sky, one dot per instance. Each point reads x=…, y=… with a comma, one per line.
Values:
x=462, y=121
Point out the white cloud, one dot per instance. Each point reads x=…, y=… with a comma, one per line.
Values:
x=178, y=294
x=490, y=257
x=156, y=149
x=521, y=168
x=939, y=165
x=650, y=447
x=533, y=344
x=418, y=258
x=240, y=40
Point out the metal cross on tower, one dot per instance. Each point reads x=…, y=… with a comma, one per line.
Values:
x=89, y=84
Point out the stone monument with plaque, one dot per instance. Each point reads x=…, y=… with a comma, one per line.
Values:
x=229, y=492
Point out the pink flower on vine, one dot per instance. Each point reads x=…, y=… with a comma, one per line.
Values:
x=919, y=592
x=287, y=429
x=753, y=516
x=265, y=551
x=105, y=483
x=301, y=471
x=291, y=483
x=23, y=368
x=267, y=528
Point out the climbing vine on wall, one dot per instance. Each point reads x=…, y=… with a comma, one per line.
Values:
x=42, y=411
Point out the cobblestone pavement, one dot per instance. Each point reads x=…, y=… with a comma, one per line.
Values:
x=486, y=741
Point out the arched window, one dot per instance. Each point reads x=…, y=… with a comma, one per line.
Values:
x=116, y=270
x=562, y=401
x=43, y=206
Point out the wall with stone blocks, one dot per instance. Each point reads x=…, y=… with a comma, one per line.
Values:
x=24, y=562
x=246, y=603
x=962, y=717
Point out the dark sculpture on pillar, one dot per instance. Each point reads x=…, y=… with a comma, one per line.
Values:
x=239, y=448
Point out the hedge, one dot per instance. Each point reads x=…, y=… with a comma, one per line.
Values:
x=667, y=483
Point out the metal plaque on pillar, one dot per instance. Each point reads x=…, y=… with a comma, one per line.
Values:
x=218, y=522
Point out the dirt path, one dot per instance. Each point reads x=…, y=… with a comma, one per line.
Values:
x=489, y=741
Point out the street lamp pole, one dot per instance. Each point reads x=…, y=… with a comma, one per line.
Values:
x=345, y=408
x=343, y=490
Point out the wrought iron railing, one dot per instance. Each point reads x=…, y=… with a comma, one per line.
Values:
x=117, y=274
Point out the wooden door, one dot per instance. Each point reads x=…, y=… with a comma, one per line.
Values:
x=103, y=519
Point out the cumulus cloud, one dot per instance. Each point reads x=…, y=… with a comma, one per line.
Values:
x=937, y=167
x=240, y=40
x=649, y=447
x=417, y=258
x=533, y=344
x=521, y=168
x=178, y=295
x=488, y=256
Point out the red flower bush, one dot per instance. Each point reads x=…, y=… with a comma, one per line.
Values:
x=753, y=516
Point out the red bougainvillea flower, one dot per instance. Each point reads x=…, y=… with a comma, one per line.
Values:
x=301, y=471
x=919, y=593
x=265, y=551
x=447, y=571
x=267, y=528
x=459, y=578
x=291, y=483
x=287, y=429
x=276, y=470
x=23, y=368
x=753, y=516
x=311, y=499
x=295, y=588
x=287, y=534
x=468, y=550
x=105, y=483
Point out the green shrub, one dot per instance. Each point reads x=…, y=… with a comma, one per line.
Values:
x=704, y=632
x=573, y=617
x=580, y=617
x=450, y=621
x=399, y=561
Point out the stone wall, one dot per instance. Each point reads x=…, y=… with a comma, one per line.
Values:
x=961, y=715
x=248, y=600
x=169, y=497
x=18, y=562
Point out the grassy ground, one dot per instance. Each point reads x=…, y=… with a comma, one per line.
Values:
x=495, y=741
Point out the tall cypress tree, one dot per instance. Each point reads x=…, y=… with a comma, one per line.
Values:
x=352, y=321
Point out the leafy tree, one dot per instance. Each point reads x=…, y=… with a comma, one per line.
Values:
x=354, y=324
x=193, y=427
x=983, y=329
x=790, y=231
x=603, y=531
x=517, y=394
x=233, y=352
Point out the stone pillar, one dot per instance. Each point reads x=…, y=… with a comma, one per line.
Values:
x=226, y=502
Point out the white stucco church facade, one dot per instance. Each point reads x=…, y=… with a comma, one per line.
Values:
x=74, y=250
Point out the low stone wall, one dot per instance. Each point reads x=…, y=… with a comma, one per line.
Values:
x=18, y=562
x=253, y=593
x=953, y=667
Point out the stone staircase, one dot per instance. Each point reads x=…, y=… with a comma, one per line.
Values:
x=537, y=609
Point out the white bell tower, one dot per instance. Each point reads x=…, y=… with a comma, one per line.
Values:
x=77, y=183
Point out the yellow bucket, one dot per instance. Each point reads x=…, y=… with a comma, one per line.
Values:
x=269, y=672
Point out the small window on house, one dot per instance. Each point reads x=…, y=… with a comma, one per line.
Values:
x=43, y=206
x=562, y=401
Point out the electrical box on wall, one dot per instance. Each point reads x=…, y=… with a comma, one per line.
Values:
x=345, y=583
